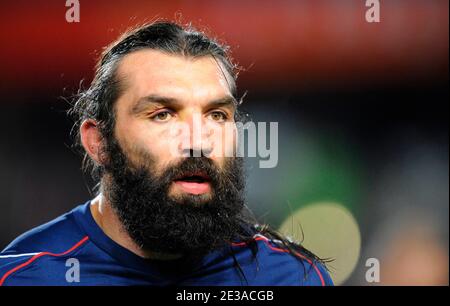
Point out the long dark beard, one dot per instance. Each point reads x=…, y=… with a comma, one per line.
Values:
x=190, y=225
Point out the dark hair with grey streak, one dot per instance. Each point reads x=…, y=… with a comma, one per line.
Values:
x=97, y=102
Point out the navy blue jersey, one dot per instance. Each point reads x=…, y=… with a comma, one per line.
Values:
x=48, y=255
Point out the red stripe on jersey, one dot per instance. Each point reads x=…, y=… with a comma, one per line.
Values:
x=7, y=274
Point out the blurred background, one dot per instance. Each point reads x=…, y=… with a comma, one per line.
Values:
x=362, y=110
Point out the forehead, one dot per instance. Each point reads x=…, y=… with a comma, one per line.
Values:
x=147, y=72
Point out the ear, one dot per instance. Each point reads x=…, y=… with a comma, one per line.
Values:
x=91, y=139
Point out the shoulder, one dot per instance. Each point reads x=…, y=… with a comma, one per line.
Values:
x=54, y=236
x=290, y=268
x=53, y=239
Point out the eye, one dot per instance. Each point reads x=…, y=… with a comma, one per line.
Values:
x=162, y=116
x=218, y=116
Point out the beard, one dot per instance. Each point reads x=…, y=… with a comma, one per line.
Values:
x=186, y=224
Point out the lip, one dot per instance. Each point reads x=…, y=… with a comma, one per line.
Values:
x=196, y=183
x=193, y=187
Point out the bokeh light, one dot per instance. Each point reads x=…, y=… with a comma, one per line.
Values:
x=330, y=231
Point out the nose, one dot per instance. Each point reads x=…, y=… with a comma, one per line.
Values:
x=197, y=145
x=196, y=153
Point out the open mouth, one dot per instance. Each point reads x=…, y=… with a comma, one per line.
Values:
x=194, y=177
x=194, y=183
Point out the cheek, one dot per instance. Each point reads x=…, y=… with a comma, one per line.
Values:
x=159, y=141
x=141, y=137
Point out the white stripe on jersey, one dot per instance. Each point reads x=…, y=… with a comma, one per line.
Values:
x=19, y=255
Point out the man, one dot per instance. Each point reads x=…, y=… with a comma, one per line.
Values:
x=170, y=207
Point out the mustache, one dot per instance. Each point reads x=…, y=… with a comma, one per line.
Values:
x=202, y=167
x=144, y=171
x=193, y=166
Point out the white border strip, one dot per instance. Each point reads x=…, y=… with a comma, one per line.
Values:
x=18, y=255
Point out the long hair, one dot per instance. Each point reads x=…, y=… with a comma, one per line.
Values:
x=97, y=102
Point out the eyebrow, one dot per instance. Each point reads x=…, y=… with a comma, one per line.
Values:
x=144, y=102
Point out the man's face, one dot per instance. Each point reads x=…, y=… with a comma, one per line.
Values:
x=164, y=93
x=169, y=203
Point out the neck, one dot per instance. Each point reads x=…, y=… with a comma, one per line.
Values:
x=109, y=222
